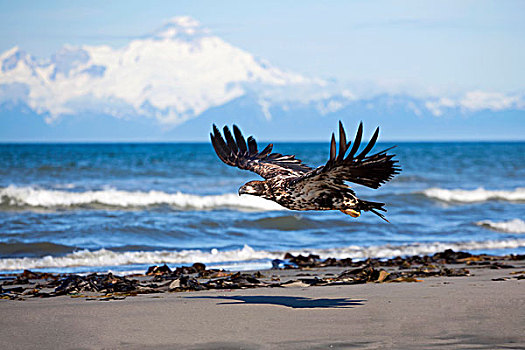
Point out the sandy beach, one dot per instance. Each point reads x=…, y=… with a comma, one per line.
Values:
x=262, y=175
x=483, y=311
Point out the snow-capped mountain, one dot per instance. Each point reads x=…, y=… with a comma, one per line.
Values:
x=174, y=74
x=182, y=75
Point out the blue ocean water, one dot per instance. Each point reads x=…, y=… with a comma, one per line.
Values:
x=122, y=207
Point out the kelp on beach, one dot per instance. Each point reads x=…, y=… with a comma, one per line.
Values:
x=303, y=271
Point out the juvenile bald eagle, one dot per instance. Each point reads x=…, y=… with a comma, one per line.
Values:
x=296, y=186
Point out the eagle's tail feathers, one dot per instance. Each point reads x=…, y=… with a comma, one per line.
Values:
x=373, y=207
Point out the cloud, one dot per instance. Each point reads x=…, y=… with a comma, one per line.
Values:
x=474, y=101
x=494, y=101
x=436, y=107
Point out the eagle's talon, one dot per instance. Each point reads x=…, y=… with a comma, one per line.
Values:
x=353, y=213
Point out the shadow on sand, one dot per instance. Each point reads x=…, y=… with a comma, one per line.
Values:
x=292, y=302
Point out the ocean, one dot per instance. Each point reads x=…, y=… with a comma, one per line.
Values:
x=84, y=208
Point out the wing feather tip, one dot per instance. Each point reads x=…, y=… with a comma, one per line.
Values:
x=343, y=146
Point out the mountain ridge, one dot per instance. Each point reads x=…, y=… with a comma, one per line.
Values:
x=166, y=84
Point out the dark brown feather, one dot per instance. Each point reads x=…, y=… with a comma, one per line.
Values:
x=332, y=148
x=220, y=145
x=241, y=143
x=266, y=151
x=252, y=145
x=235, y=152
x=371, y=171
x=230, y=141
x=357, y=141
x=370, y=145
x=342, y=142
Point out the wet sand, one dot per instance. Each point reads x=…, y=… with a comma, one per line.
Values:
x=473, y=312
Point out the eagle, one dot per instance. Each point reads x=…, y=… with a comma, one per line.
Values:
x=294, y=185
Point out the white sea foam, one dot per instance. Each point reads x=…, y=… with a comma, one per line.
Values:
x=511, y=226
x=105, y=257
x=46, y=198
x=477, y=195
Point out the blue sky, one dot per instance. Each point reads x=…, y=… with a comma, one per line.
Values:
x=417, y=48
x=438, y=45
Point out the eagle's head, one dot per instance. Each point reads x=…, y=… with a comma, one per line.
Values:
x=255, y=188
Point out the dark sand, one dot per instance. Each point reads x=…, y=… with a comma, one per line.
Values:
x=472, y=312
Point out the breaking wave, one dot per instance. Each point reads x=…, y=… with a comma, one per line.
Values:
x=477, y=195
x=511, y=226
x=19, y=197
x=104, y=257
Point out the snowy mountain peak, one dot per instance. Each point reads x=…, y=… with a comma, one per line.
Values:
x=184, y=22
x=174, y=75
x=178, y=73
x=67, y=59
x=12, y=51
x=182, y=27
x=10, y=58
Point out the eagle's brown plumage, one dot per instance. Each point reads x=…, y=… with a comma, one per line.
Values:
x=296, y=186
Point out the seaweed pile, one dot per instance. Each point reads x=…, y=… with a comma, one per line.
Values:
x=314, y=272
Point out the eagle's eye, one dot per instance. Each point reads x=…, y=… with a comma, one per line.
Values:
x=251, y=188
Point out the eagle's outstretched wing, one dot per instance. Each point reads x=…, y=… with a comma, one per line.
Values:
x=245, y=155
x=368, y=170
